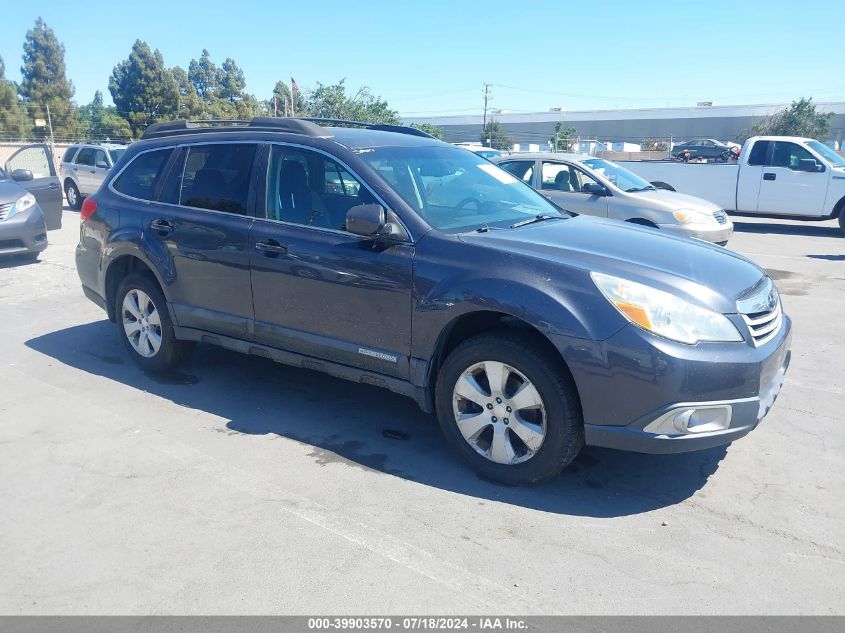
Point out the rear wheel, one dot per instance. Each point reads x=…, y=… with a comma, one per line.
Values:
x=144, y=325
x=74, y=198
x=509, y=408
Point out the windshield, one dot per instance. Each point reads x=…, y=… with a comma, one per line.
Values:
x=456, y=191
x=115, y=154
x=828, y=154
x=617, y=175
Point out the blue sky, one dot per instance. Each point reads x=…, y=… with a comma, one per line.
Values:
x=432, y=57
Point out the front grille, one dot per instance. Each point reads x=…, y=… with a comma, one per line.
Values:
x=7, y=245
x=721, y=217
x=762, y=312
x=4, y=210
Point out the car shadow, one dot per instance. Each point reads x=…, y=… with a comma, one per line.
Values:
x=16, y=261
x=360, y=426
x=806, y=229
x=832, y=258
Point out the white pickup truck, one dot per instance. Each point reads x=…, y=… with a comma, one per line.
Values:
x=775, y=175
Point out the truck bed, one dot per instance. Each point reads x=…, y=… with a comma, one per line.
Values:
x=715, y=182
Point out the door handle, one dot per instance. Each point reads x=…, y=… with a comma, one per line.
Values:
x=770, y=176
x=270, y=248
x=162, y=227
x=54, y=185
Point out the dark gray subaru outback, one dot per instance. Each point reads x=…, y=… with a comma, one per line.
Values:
x=383, y=256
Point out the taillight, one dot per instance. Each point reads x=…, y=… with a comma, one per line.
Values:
x=89, y=206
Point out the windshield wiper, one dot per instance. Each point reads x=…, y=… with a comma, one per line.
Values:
x=537, y=218
x=637, y=189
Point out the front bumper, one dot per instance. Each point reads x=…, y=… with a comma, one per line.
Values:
x=24, y=232
x=656, y=396
x=715, y=233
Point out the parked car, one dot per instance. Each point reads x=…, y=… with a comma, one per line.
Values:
x=528, y=330
x=702, y=147
x=594, y=186
x=84, y=168
x=786, y=176
x=487, y=152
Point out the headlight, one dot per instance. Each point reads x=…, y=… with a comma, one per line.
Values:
x=664, y=313
x=23, y=203
x=690, y=216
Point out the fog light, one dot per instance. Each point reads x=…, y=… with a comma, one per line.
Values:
x=692, y=419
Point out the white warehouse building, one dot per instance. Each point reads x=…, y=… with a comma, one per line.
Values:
x=628, y=126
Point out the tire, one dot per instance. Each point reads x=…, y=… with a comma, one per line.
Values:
x=74, y=198
x=141, y=291
x=558, y=416
x=842, y=220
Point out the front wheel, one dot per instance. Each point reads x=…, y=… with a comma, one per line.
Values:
x=145, y=327
x=74, y=198
x=509, y=407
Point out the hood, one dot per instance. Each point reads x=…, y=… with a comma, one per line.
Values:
x=708, y=275
x=10, y=191
x=672, y=200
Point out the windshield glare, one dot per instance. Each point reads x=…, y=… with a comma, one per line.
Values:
x=619, y=176
x=828, y=154
x=455, y=190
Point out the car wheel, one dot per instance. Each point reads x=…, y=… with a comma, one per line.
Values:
x=510, y=408
x=145, y=327
x=842, y=220
x=74, y=198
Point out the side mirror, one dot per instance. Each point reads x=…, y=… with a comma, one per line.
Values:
x=370, y=220
x=809, y=164
x=21, y=175
x=101, y=164
x=594, y=189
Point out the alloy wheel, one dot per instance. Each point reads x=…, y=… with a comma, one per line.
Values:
x=141, y=323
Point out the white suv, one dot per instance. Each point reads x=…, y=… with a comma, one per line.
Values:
x=84, y=168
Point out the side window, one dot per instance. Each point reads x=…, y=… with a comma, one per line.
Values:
x=69, y=152
x=217, y=177
x=34, y=159
x=558, y=177
x=522, y=169
x=140, y=177
x=581, y=179
x=789, y=155
x=100, y=157
x=308, y=188
x=85, y=156
x=758, y=153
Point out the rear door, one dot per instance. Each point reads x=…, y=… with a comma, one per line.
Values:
x=200, y=225
x=100, y=169
x=82, y=170
x=44, y=185
x=785, y=188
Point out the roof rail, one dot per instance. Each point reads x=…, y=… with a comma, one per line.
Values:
x=276, y=124
x=384, y=127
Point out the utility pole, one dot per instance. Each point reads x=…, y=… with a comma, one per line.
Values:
x=487, y=97
x=50, y=127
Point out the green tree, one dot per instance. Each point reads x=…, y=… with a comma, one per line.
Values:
x=143, y=89
x=332, y=102
x=494, y=135
x=13, y=120
x=205, y=77
x=190, y=104
x=44, y=83
x=428, y=128
x=232, y=81
x=800, y=119
x=563, y=138
x=101, y=122
x=282, y=94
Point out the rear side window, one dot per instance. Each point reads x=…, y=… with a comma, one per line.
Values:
x=523, y=169
x=141, y=176
x=85, y=156
x=758, y=153
x=69, y=152
x=217, y=177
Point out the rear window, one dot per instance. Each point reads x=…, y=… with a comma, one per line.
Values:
x=140, y=177
x=758, y=153
x=217, y=177
x=69, y=152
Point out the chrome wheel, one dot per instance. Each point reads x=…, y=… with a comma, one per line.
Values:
x=141, y=323
x=499, y=412
x=72, y=196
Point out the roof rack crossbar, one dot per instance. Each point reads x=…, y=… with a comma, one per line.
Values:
x=383, y=127
x=277, y=124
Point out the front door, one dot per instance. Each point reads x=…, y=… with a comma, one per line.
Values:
x=785, y=188
x=317, y=289
x=563, y=184
x=44, y=184
x=200, y=227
